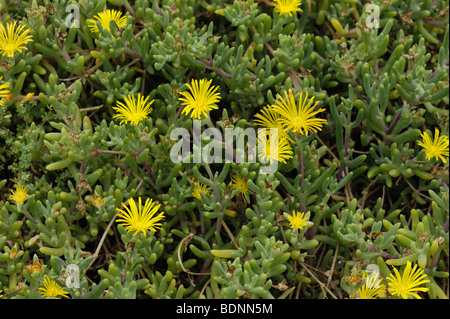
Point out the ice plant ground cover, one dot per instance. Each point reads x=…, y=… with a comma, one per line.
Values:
x=93, y=205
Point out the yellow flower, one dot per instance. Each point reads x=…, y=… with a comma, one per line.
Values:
x=35, y=266
x=201, y=100
x=13, y=40
x=13, y=252
x=270, y=119
x=98, y=200
x=287, y=6
x=371, y=289
x=52, y=289
x=28, y=97
x=135, y=219
x=273, y=147
x=241, y=183
x=199, y=187
x=105, y=18
x=437, y=148
x=297, y=220
x=298, y=119
x=4, y=91
x=408, y=283
x=133, y=111
x=19, y=195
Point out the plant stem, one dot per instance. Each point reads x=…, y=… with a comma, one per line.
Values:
x=300, y=159
x=211, y=177
x=130, y=9
x=113, y=152
x=149, y=171
x=26, y=213
x=93, y=108
x=133, y=53
x=394, y=122
x=291, y=73
x=221, y=72
x=301, y=170
x=383, y=253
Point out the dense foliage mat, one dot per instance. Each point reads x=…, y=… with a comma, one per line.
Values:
x=224, y=149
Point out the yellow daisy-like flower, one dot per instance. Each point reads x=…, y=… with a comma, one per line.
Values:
x=105, y=18
x=297, y=220
x=371, y=289
x=19, y=195
x=13, y=40
x=270, y=119
x=437, y=148
x=287, y=6
x=4, y=91
x=241, y=183
x=134, y=111
x=298, y=119
x=199, y=187
x=408, y=283
x=273, y=147
x=201, y=99
x=52, y=289
x=137, y=219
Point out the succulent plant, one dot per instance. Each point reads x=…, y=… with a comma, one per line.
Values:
x=94, y=103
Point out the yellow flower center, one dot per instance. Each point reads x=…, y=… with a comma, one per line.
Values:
x=9, y=49
x=135, y=118
x=196, y=192
x=52, y=292
x=139, y=226
x=200, y=104
x=297, y=220
x=35, y=268
x=402, y=290
x=285, y=8
x=269, y=150
x=298, y=223
x=433, y=150
x=98, y=202
x=241, y=184
x=297, y=121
